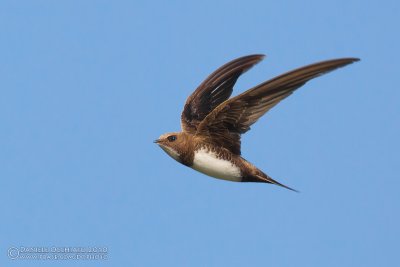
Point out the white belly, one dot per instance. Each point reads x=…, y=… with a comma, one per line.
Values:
x=207, y=162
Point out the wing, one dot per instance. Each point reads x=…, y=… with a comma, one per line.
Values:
x=224, y=125
x=214, y=90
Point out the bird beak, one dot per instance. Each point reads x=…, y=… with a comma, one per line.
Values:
x=156, y=141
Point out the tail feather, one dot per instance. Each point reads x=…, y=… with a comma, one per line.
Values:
x=253, y=174
x=267, y=179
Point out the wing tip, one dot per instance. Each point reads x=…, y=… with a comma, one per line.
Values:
x=352, y=59
x=346, y=60
x=256, y=57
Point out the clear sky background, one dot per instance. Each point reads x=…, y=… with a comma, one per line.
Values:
x=86, y=86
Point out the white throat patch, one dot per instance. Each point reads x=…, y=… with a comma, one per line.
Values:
x=171, y=152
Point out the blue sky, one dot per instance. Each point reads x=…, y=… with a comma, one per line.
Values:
x=86, y=86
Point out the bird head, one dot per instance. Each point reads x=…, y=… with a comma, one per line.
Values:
x=174, y=144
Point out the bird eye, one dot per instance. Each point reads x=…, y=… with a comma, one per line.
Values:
x=171, y=138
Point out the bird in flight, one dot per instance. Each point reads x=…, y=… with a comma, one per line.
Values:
x=212, y=123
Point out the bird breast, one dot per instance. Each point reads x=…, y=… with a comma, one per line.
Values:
x=207, y=162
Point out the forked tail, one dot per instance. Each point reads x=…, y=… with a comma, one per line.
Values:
x=263, y=178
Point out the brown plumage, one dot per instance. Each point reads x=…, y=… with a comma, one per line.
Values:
x=212, y=123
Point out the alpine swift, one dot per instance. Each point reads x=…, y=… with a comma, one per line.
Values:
x=212, y=123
